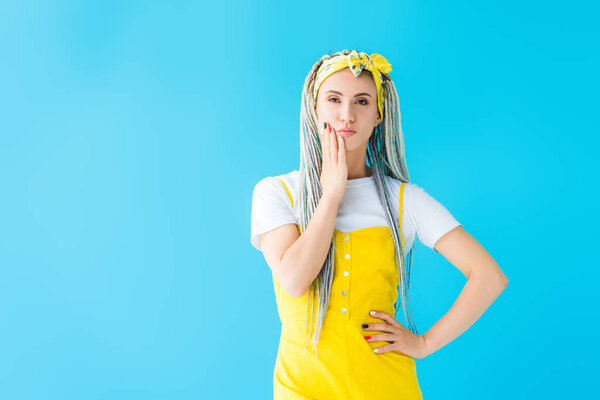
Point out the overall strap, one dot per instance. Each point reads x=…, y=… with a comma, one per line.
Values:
x=287, y=191
x=401, y=197
x=291, y=201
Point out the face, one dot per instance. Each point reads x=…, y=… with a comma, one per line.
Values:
x=346, y=101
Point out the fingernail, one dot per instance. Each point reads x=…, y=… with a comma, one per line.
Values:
x=372, y=312
x=376, y=351
x=324, y=124
x=367, y=337
x=365, y=326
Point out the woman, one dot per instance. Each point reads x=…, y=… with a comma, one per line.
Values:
x=334, y=234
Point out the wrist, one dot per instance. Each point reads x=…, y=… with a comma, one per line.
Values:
x=329, y=197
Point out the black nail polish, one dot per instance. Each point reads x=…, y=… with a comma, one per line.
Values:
x=324, y=125
x=365, y=326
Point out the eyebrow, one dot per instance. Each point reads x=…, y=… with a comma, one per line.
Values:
x=341, y=94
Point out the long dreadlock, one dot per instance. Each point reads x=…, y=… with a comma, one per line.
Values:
x=385, y=156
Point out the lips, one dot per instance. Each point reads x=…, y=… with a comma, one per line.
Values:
x=346, y=132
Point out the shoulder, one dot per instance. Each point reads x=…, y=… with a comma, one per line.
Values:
x=411, y=188
x=289, y=177
x=417, y=199
x=396, y=185
x=271, y=186
x=413, y=197
x=425, y=210
x=429, y=216
x=413, y=191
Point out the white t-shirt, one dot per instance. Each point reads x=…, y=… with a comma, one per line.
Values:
x=422, y=215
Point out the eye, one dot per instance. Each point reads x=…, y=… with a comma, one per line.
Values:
x=365, y=101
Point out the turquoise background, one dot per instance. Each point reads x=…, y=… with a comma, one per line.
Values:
x=133, y=132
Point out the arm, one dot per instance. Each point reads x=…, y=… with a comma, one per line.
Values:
x=485, y=281
x=296, y=259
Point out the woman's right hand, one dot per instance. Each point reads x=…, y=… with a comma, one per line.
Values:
x=334, y=170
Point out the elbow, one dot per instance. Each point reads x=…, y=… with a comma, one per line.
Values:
x=297, y=291
x=292, y=288
x=291, y=283
x=502, y=281
x=496, y=280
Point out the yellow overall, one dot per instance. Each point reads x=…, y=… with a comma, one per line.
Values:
x=365, y=278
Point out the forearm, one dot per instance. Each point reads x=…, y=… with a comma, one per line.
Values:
x=477, y=295
x=304, y=259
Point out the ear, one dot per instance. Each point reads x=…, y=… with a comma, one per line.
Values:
x=378, y=120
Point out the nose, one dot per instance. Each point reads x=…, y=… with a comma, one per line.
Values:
x=347, y=113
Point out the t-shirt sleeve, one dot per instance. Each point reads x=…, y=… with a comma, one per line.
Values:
x=431, y=219
x=271, y=208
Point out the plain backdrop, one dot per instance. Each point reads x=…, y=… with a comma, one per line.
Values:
x=133, y=133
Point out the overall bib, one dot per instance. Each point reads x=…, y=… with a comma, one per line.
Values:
x=365, y=278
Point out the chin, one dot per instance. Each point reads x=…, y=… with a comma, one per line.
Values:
x=353, y=143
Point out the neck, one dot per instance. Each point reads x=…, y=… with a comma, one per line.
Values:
x=357, y=165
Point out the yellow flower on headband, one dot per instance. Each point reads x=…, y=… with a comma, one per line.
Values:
x=375, y=63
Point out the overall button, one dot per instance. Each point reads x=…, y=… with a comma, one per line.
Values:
x=346, y=273
x=347, y=256
x=347, y=238
x=344, y=310
x=344, y=293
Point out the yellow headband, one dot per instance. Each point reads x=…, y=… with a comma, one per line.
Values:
x=356, y=62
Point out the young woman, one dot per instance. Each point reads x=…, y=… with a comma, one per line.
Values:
x=335, y=233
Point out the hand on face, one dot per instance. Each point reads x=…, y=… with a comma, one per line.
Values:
x=334, y=170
